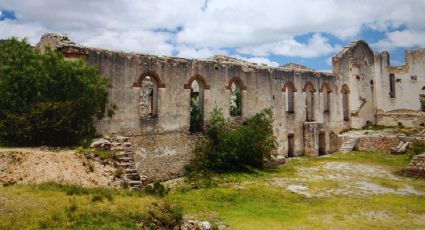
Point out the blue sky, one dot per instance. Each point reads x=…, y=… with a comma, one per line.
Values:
x=273, y=32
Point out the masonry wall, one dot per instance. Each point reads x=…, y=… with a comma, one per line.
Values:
x=163, y=144
x=409, y=85
x=354, y=67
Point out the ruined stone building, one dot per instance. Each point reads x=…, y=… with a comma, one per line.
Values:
x=155, y=96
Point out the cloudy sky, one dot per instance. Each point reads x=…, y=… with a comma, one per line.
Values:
x=274, y=32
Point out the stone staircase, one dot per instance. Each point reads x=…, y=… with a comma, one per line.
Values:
x=348, y=145
x=131, y=176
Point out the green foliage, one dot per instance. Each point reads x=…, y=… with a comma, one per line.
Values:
x=46, y=100
x=233, y=149
x=163, y=215
x=415, y=148
x=91, y=153
x=157, y=189
x=196, y=120
x=236, y=104
x=422, y=104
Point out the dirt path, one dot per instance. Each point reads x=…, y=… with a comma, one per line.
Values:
x=34, y=165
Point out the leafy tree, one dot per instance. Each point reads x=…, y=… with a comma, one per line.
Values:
x=232, y=149
x=45, y=100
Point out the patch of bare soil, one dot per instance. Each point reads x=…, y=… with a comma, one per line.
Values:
x=33, y=165
x=343, y=178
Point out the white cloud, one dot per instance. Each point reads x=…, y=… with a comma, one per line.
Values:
x=188, y=28
x=404, y=38
x=200, y=53
x=316, y=46
x=258, y=60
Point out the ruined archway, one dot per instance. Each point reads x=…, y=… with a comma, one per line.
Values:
x=149, y=83
x=345, y=102
x=197, y=85
x=236, y=86
x=289, y=91
x=309, y=100
x=326, y=93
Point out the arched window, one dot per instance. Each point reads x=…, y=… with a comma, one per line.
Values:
x=309, y=100
x=149, y=98
x=345, y=102
x=422, y=98
x=326, y=92
x=197, y=86
x=235, y=86
x=392, y=85
x=289, y=90
x=235, y=100
x=148, y=83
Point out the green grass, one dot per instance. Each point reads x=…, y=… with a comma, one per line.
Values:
x=240, y=200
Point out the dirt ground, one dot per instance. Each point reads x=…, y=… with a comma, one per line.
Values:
x=37, y=165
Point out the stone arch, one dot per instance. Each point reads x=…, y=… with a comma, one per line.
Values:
x=345, y=89
x=235, y=87
x=152, y=74
x=199, y=78
x=289, y=84
x=289, y=90
x=238, y=81
x=149, y=82
x=325, y=86
x=309, y=86
x=309, y=90
x=325, y=90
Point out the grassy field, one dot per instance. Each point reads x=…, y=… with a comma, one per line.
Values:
x=357, y=190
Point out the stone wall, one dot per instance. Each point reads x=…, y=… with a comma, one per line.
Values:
x=416, y=167
x=372, y=142
x=162, y=137
x=378, y=143
x=162, y=156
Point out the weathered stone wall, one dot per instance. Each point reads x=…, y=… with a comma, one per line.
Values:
x=373, y=143
x=409, y=81
x=416, y=167
x=354, y=66
x=355, y=69
x=377, y=143
x=162, y=156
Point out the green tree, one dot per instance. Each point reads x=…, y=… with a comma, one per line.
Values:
x=45, y=100
x=224, y=148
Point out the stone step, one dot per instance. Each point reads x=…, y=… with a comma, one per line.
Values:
x=130, y=170
x=135, y=183
x=126, y=164
x=126, y=159
x=133, y=176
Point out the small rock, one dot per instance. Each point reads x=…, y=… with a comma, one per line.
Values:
x=101, y=143
x=120, y=139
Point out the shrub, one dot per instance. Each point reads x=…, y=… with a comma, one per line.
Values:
x=231, y=149
x=157, y=189
x=415, y=148
x=163, y=215
x=422, y=104
x=45, y=100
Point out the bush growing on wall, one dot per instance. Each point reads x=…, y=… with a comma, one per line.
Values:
x=231, y=149
x=45, y=100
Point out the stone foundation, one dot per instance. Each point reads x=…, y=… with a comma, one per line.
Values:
x=163, y=156
x=416, y=167
x=374, y=143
